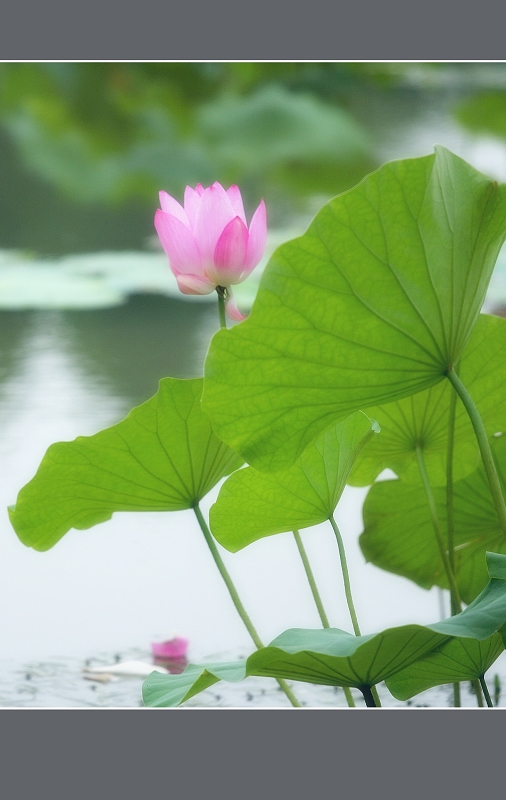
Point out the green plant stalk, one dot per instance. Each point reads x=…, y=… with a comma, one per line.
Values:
x=486, y=692
x=484, y=445
x=346, y=577
x=235, y=597
x=497, y=689
x=454, y=591
x=318, y=600
x=456, y=695
x=369, y=697
x=349, y=697
x=450, y=516
x=477, y=690
x=449, y=484
x=222, y=293
x=311, y=579
x=349, y=598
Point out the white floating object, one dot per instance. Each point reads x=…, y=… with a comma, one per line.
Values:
x=140, y=668
x=100, y=677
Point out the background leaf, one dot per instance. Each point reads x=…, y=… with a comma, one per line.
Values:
x=293, y=138
x=398, y=534
x=422, y=419
x=253, y=504
x=372, y=304
x=484, y=113
x=163, y=457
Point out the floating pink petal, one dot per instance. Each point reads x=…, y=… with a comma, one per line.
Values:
x=174, y=648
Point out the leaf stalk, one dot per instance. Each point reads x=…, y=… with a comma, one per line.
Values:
x=311, y=579
x=349, y=598
x=236, y=599
x=484, y=445
x=318, y=600
x=486, y=692
x=450, y=527
x=454, y=591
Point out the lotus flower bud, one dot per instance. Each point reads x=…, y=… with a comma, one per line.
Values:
x=208, y=242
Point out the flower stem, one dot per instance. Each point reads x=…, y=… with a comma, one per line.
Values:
x=455, y=595
x=349, y=600
x=486, y=692
x=235, y=597
x=318, y=601
x=222, y=293
x=311, y=580
x=484, y=445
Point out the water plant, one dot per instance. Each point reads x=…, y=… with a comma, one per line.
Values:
x=365, y=349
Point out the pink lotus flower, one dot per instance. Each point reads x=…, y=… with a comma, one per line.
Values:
x=208, y=242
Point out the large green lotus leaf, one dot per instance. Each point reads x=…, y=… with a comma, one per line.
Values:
x=253, y=504
x=336, y=658
x=373, y=303
x=163, y=457
x=399, y=537
x=457, y=660
x=422, y=419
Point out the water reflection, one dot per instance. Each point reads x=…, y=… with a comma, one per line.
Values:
x=14, y=327
x=132, y=346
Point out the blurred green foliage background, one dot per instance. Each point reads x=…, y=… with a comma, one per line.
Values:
x=85, y=147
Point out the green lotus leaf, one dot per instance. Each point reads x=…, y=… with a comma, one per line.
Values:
x=253, y=504
x=334, y=657
x=163, y=457
x=457, y=660
x=422, y=419
x=399, y=537
x=375, y=302
x=187, y=684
